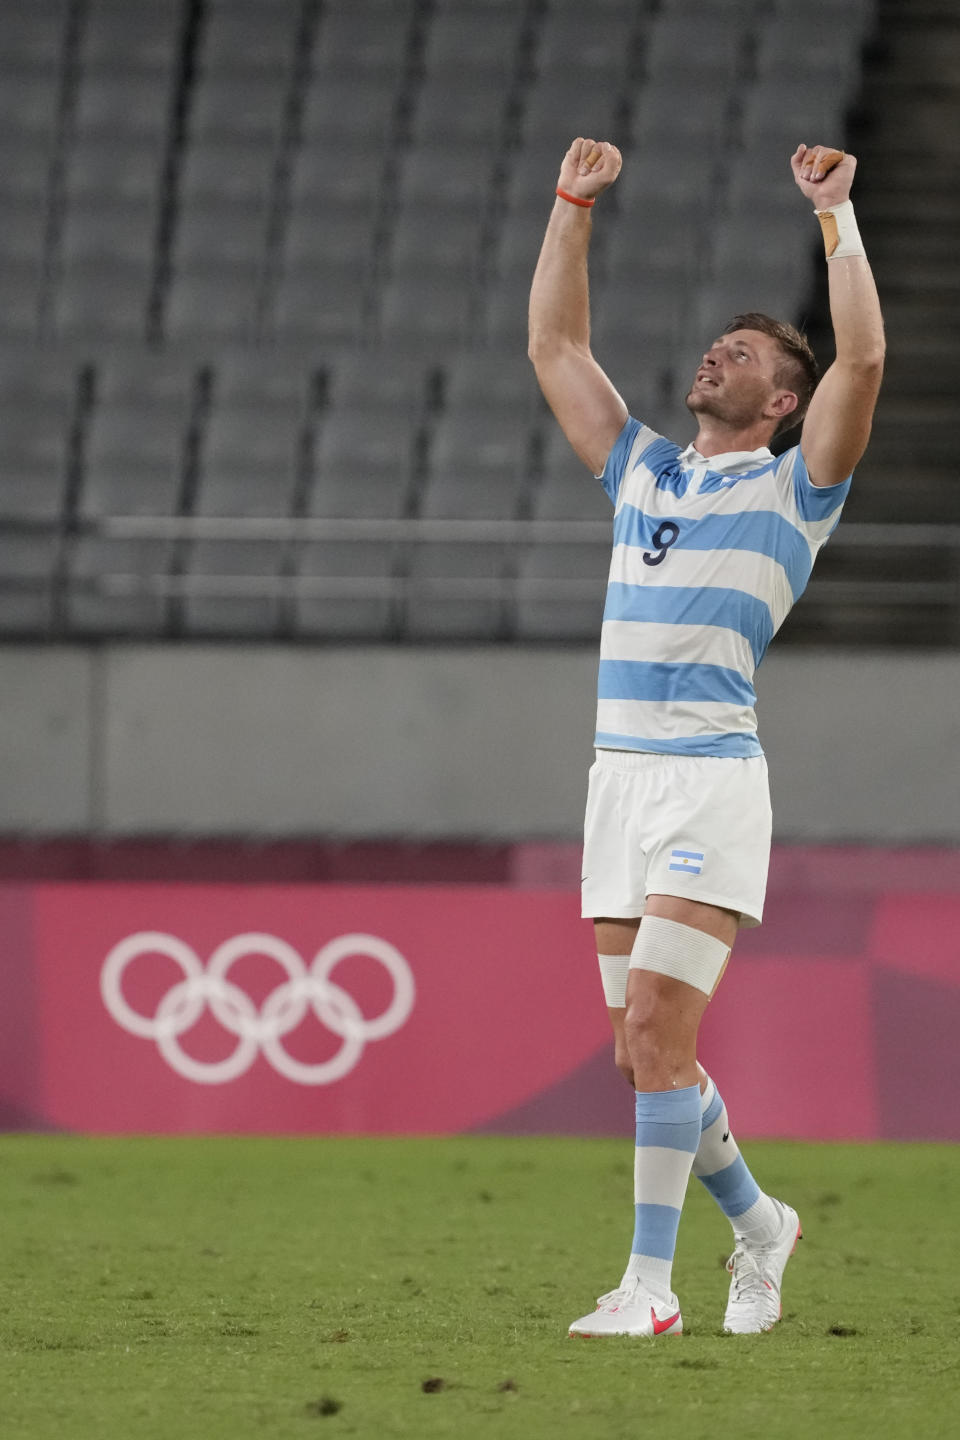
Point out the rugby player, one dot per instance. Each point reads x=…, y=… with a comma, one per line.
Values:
x=712, y=544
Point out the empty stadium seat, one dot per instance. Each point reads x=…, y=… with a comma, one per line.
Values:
x=123, y=34
x=28, y=103
x=456, y=593
x=250, y=457
x=124, y=102
x=135, y=444
x=560, y=592
x=468, y=37
x=677, y=115
x=820, y=43
x=24, y=224
x=444, y=240
x=531, y=176
x=115, y=166
x=36, y=403
x=680, y=192
x=31, y=37
x=97, y=567
x=496, y=384
x=26, y=611
x=504, y=324
x=221, y=608
x=347, y=591
x=364, y=464
x=568, y=45
x=518, y=244
x=361, y=382
x=689, y=13
x=24, y=163
x=643, y=318
x=250, y=40
x=134, y=459
x=782, y=109
x=338, y=109
x=263, y=377
x=470, y=110
x=364, y=38
x=222, y=228
x=234, y=105
x=102, y=300
x=225, y=168
x=829, y=10
x=478, y=464
x=566, y=490
x=99, y=227
x=19, y=297
x=654, y=248
x=213, y=302
x=559, y=107
x=707, y=44
x=27, y=560
x=423, y=310
x=322, y=301
x=445, y=173
x=353, y=180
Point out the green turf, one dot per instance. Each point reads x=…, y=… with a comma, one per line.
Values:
x=198, y=1289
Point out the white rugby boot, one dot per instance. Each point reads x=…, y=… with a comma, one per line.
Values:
x=630, y=1310
x=756, y=1274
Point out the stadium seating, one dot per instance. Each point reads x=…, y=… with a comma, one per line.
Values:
x=37, y=401
x=291, y=244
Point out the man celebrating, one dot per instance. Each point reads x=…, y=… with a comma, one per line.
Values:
x=712, y=546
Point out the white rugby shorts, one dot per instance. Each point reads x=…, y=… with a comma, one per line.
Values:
x=694, y=826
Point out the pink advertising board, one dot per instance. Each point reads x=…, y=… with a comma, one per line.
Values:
x=419, y=1008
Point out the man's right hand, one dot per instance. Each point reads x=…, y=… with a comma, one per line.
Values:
x=590, y=411
x=589, y=167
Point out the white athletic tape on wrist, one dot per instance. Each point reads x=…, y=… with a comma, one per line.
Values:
x=613, y=976
x=840, y=234
x=679, y=951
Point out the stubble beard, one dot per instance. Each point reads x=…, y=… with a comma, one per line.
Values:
x=723, y=408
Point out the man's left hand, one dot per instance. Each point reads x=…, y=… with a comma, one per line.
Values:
x=823, y=187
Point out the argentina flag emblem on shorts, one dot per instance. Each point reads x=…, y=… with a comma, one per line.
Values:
x=689, y=861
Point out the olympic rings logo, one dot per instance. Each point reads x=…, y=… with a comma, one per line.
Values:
x=263, y=1030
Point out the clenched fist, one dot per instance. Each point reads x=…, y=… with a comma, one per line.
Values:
x=589, y=167
x=823, y=174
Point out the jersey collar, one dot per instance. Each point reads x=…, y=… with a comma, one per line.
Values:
x=728, y=461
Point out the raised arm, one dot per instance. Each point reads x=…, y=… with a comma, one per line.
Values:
x=837, y=424
x=590, y=412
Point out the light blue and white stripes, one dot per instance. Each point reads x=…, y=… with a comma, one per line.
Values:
x=708, y=558
x=689, y=862
x=719, y=1164
x=668, y=1133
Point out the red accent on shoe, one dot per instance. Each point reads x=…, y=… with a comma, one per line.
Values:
x=660, y=1325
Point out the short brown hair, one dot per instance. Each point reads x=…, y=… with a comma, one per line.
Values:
x=798, y=370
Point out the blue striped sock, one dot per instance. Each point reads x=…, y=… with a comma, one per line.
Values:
x=668, y=1132
x=721, y=1168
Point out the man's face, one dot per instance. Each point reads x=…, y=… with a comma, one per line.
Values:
x=735, y=380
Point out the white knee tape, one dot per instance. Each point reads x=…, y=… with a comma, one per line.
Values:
x=613, y=976
x=680, y=952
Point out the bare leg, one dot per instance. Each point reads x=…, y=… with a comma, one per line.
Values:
x=616, y=937
x=655, y=1034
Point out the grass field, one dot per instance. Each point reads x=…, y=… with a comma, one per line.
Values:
x=198, y=1289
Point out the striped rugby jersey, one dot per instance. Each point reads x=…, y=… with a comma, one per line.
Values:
x=708, y=558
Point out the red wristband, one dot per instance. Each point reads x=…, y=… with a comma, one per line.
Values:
x=575, y=199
